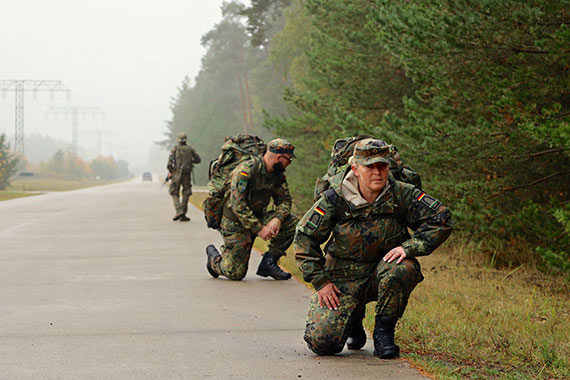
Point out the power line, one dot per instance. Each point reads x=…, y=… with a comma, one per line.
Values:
x=75, y=112
x=20, y=87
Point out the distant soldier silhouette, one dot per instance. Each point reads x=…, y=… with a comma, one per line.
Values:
x=180, y=164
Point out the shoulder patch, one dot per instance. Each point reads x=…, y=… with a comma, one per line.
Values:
x=428, y=201
x=315, y=219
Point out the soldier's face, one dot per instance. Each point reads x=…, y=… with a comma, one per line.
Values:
x=283, y=160
x=373, y=177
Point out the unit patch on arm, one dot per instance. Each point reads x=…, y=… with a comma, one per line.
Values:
x=315, y=219
x=242, y=183
x=428, y=201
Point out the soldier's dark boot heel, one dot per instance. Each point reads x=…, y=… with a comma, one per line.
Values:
x=356, y=336
x=212, y=254
x=384, y=346
x=268, y=267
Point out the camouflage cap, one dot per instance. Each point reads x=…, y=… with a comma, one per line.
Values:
x=371, y=151
x=182, y=137
x=281, y=146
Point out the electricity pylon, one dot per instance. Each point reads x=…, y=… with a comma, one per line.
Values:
x=75, y=112
x=20, y=87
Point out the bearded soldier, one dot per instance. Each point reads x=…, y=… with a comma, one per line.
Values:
x=254, y=183
x=180, y=164
x=370, y=256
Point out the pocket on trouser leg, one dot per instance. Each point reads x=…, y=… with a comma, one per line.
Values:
x=326, y=330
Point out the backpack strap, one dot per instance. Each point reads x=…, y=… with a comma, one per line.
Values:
x=400, y=210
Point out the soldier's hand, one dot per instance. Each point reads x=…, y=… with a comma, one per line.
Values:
x=328, y=296
x=265, y=233
x=275, y=225
x=169, y=175
x=395, y=253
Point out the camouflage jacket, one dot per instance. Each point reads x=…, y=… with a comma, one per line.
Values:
x=182, y=158
x=362, y=235
x=251, y=190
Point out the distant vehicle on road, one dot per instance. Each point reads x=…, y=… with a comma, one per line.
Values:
x=147, y=176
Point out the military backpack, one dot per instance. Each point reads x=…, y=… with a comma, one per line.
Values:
x=235, y=150
x=342, y=151
x=184, y=158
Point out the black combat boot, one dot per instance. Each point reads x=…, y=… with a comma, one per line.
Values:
x=357, y=335
x=184, y=218
x=177, y=216
x=384, y=345
x=212, y=253
x=268, y=267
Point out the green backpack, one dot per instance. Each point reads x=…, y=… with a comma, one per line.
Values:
x=235, y=150
x=342, y=151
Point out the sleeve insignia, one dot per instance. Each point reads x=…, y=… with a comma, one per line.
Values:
x=315, y=219
x=242, y=185
x=428, y=201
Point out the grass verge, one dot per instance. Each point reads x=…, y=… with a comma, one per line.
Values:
x=6, y=195
x=54, y=184
x=468, y=320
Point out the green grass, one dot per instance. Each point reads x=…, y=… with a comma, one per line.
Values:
x=6, y=195
x=468, y=320
x=54, y=184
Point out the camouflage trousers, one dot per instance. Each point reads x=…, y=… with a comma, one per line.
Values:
x=391, y=284
x=238, y=243
x=180, y=181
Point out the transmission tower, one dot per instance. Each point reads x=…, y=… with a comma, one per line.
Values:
x=75, y=112
x=20, y=87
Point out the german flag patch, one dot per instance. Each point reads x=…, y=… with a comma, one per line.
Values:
x=315, y=219
x=428, y=201
x=244, y=174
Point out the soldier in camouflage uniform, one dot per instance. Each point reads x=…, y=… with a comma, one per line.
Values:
x=254, y=183
x=370, y=257
x=180, y=164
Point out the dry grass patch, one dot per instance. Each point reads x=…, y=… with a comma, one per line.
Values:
x=6, y=195
x=54, y=184
x=466, y=320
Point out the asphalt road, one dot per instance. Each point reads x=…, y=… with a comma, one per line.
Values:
x=99, y=283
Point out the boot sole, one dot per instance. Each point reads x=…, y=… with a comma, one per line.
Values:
x=269, y=275
x=209, y=267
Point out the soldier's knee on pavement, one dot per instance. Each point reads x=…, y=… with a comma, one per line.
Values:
x=323, y=344
x=235, y=275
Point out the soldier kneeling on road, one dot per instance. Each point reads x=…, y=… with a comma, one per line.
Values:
x=254, y=183
x=370, y=257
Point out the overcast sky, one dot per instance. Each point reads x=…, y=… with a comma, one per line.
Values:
x=126, y=57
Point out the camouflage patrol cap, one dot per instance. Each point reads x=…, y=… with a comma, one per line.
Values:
x=371, y=151
x=281, y=146
x=182, y=137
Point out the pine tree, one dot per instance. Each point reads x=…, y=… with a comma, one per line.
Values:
x=8, y=163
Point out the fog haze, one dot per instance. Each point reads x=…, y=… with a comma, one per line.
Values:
x=125, y=57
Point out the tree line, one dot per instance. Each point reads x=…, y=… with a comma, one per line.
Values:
x=63, y=164
x=475, y=94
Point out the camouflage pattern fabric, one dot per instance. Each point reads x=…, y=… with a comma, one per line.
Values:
x=238, y=243
x=245, y=214
x=251, y=193
x=180, y=163
x=281, y=146
x=360, y=238
x=326, y=330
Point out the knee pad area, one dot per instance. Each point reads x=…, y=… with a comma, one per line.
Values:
x=322, y=344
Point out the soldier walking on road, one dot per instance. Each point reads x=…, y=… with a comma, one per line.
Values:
x=254, y=183
x=180, y=164
x=370, y=257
